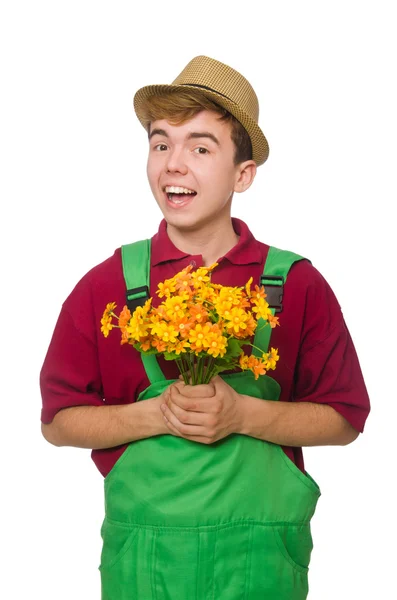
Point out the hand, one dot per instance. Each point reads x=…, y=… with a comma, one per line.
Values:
x=202, y=413
x=157, y=402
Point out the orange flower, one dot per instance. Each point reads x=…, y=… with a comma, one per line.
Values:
x=183, y=325
x=183, y=278
x=125, y=316
x=198, y=312
x=124, y=336
x=160, y=345
x=146, y=343
x=273, y=321
x=258, y=293
x=259, y=369
x=251, y=326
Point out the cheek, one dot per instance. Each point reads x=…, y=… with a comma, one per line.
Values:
x=152, y=172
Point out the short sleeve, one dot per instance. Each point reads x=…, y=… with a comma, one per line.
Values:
x=328, y=369
x=70, y=375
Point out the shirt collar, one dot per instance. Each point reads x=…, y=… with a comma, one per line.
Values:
x=246, y=251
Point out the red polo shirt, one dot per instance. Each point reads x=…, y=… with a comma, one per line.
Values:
x=318, y=362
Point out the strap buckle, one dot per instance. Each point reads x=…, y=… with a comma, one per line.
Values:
x=137, y=297
x=274, y=288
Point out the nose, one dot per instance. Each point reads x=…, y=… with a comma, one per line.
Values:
x=175, y=161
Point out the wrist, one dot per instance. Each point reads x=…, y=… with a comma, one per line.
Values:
x=251, y=413
x=243, y=403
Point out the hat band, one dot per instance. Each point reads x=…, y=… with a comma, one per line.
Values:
x=204, y=87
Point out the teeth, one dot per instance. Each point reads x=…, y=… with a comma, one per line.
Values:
x=173, y=189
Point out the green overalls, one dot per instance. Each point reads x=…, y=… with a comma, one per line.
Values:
x=189, y=521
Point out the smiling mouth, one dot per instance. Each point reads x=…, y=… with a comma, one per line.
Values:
x=180, y=196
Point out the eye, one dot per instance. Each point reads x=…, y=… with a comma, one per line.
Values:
x=158, y=147
x=201, y=148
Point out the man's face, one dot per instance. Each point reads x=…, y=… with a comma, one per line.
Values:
x=197, y=156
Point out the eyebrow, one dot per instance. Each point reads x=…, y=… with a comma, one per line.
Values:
x=193, y=135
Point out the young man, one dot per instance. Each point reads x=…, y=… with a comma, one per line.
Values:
x=206, y=491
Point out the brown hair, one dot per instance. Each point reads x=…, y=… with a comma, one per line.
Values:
x=182, y=105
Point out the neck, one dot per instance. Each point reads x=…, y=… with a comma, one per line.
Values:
x=212, y=241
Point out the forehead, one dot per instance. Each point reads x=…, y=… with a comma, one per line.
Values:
x=205, y=121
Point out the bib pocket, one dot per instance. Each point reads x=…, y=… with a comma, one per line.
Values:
x=279, y=562
x=117, y=541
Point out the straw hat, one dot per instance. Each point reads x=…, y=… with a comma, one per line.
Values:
x=223, y=85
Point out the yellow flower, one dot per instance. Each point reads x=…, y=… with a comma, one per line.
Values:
x=179, y=347
x=230, y=294
x=223, y=308
x=261, y=309
x=164, y=331
x=271, y=358
x=166, y=288
x=175, y=307
x=237, y=320
x=216, y=344
x=198, y=336
x=136, y=330
x=243, y=361
x=106, y=326
x=137, y=326
x=206, y=293
x=110, y=308
x=200, y=277
x=248, y=286
x=106, y=321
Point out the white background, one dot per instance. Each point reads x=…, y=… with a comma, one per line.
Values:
x=73, y=188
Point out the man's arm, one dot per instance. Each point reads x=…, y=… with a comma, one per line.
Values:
x=97, y=427
x=222, y=411
x=294, y=423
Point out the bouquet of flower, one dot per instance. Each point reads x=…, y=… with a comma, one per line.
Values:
x=200, y=325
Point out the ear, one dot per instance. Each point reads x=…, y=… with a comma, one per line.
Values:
x=245, y=175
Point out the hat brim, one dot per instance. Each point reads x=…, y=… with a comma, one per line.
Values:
x=260, y=146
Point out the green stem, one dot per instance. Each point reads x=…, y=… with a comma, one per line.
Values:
x=256, y=347
x=182, y=370
x=201, y=361
x=192, y=368
x=209, y=371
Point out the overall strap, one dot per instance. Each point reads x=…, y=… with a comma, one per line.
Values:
x=136, y=269
x=275, y=272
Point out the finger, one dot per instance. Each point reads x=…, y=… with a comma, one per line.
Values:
x=202, y=439
x=192, y=403
x=189, y=417
x=172, y=428
x=182, y=428
x=201, y=390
